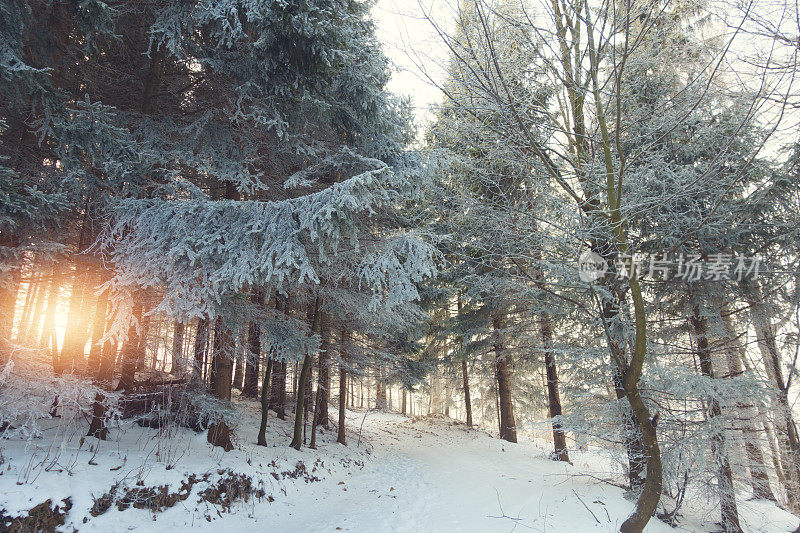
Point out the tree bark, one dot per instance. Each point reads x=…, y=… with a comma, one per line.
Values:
x=98, y=329
x=343, y=338
x=553, y=398
x=788, y=439
x=253, y=353
x=131, y=352
x=323, y=375
x=200, y=341
x=380, y=390
x=508, y=427
x=222, y=360
x=178, y=364
x=262, y=430
x=727, y=494
x=302, y=385
x=759, y=474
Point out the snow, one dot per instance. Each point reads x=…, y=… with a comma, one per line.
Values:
x=421, y=474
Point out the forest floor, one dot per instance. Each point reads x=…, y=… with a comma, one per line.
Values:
x=405, y=474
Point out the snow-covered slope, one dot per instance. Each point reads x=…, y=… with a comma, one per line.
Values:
x=404, y=475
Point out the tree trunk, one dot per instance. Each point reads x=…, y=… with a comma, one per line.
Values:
x=222, y=360
x=380, y=390
x=253, y=353
x=178, y=367
x=553, y=398
x=240, y=355
x=48, y=338
x=343, y=338
x=98, y=329
x=302, y=385
x=8, y=299
x=508, y=427
x=32, y=330
x=278, y=392
x=131, y=352
x=788, y=440
x=72, y=355
x=759, y=475
x=34, y=281
x=200, y=341
x=262, y=430
x=323, y=375
x=727, y=494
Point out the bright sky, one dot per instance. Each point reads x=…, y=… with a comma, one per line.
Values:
x=412, y=44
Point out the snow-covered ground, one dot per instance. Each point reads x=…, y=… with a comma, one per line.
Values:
x=404, y=475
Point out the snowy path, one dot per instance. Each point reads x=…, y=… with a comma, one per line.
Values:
x=435, y=476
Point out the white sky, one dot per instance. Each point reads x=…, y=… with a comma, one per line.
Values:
x=414, y=47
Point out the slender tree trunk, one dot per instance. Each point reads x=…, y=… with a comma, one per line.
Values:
x=34, y=281
x=9, y=288
x=75, y=336
x=303, y=383
x=788, y=439
x=278, y=393
x=343, y=339
x=380, y=390
x=131, y=353
x=253, y=355
x=508, y=427
x=727, y=494
x=403, y=406
x=200, y=341
x=238, y=365
x=49, y=326
x=178, y=367
x=98, y=329
x=323, y=375
x=32, y=332
x=222, y=360
x=759, y=474
x=553, y=398
x=262, y=430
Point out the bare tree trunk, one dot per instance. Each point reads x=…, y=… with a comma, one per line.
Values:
x=178, y=364
x=49, y=327
x=303, y=384
x=553, y=398
x=32, y=331
x=8, y=298
x=727, y=494
x=323, y=375
x=98, y=329
x=34, y=282
x=343, y=339
x=262, y=430
x=278, y=392
x=200, y=342
x=467, y=400
x=131, y=353
x=253, y=355
x=508, y=427
x=380, y=390
x=238, y=364
x=788, y=439
x=759, y=475
x=222, y=360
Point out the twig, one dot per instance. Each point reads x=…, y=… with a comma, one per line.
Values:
x=587, y=507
